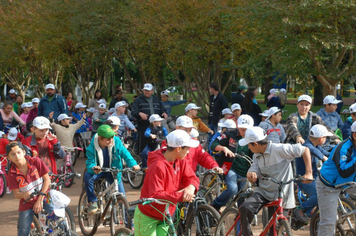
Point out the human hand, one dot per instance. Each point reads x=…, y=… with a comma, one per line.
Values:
x=96, y=169
x=38, y=206
x=218, y=170
x=337, y=141
x=308, y=178
x=252, y=177
x=325, y=158
x=143, y=116
x=228, y=153
x=153, y=136
x=51, y=136
x=300, y=140
x=134, y=130
x=136, y=167
x=84, y=116
x=26, y=195
x=188, y=193
x=50, y=115
x=165, y=115
x=211, y=132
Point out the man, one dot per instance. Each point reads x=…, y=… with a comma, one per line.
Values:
x=218, y=102
x=143, y=107
x=118, y=98
x=12, y=96
x=239, y=96
x=52, y=102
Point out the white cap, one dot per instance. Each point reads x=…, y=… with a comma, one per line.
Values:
x=50, y=86
x=305, y=97
x=102, y=105
x=101, y=101
x=352, y=108
x=245, y=121
x=26, y=104
x=41, y=122
x=35, y=100
x=12, y=91
x=60, y=201
x=112, y=110
x=226, y=111
x=191, y=106
x=272, y=111
x=319, y=131
x=253, y=134
x=147, y=86
x=1, y=133
x=272, y=91
x=264, y=113
x=330, y=99
x=194, y=133
x=353, y=127
x=92, y=110
x=180, y=138
x=165, y=92
x=235, y=106
x=185, y=121
x=63, y=117
x=12, y=135
x=121, y=104
x=154, y=118
x=229, y=124
x=80, y=105
x=115, y=120
x=283, y=90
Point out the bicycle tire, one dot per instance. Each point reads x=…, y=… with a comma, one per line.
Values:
x=208, y=219
x=70, y=219
x=227, y=224
x=265, y=217
x=314, y=222
x=136, y=179
x=210, y=181
x=36, y=230
x=283, y=228
x=83, y=183
x=69, y=182
x=124, y=232
x=83, y=217
x=76, y=143
x=3, y=185
x=123, y=220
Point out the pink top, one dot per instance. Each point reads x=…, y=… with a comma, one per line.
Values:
x=24, y=116
x=8, y=119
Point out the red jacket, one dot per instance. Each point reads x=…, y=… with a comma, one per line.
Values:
x=163, y=181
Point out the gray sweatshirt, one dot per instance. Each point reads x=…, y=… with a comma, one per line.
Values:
x=276, y=134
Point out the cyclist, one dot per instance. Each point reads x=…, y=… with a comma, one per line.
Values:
x=272, y=126
x=105, y=150
x=26, y=175
x=191, y=111
x=120, y=108
x=99, y=117
x=168, y=178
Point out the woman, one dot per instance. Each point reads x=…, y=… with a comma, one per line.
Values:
x=8, y=115
x=94, y=102
x=69, y=99
x=249, y=107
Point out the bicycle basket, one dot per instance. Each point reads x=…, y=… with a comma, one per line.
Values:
x=85, y=135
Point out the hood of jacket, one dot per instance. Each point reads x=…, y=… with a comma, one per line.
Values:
x=99, y=151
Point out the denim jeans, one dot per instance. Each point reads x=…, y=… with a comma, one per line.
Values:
x=231, y=188
x=89, y=184
x=312, y=201
x=144, y=155
x=26, y=217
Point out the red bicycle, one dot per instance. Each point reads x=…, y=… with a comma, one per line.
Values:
x=68, y=166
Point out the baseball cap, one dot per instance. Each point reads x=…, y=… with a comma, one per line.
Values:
x=50, y=86
x=319, y=131
x=305, y=97
x=12, y=135
x=165, y=92
x=264, y=113
x=35, y=100
x=41, y=122
x=2, y=133
x=63, y=117
x=112, y=110
x=101, y=101
x=245, y=121
x=272, y=111
x=353, y=127
x=352, y=108
x=229, y=124
x=60, y=201
x=330, y=99
x=105, y=131
x=26, y=104
x=80, y=105
x=92, y=110
x=180, y=138
x=13, y=144
x=185, y=121
x=102, y=105
x=253, y=134
x=191, y=106
x=114, y=120
x=283, y=90
x=194, y=133
x=147, y=86
x=154, y=118
x=121, y=104
x=226, y=111
x=235, y=106
x=12, y=91
x=272, y=91
x=242, y=87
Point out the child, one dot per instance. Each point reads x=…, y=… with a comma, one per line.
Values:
x=30, y=129
x=275, y=131
x=25, y=108
x=169, y=178
x=99, y=117
x=226, y=113
x=273, y=100
x=153, y=133
x=78, y=115
x=346, y=128
x=194, y=134
x=33, y=112
x=228, y=124
x=111, y=111
x=329, y=114
x=27, y=174
x=236, y=111
x=120, y=108
x=272, y=159
x=191, y=111
x=264, y=115
x=90, y=113
x=114, y=123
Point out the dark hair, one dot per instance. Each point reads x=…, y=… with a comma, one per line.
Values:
x=101, y=95
x=215, y=86
x=118, y=91
x=19, y=95
x=247, y=102
x=7, y=103
x=29, y=125
x=170, y=149
x=13, y=144
x=262, y=142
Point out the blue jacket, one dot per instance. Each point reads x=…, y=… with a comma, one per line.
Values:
x=341, y=165
x=333, y=120
x=169, y=104
x=84, y=127
x=273, y=102
x=116, y=152
x=58, y=104
x=346, y=128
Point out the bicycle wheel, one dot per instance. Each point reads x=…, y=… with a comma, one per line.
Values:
x=70, y=218
x=68, y=182
x=213, y=185
x=203, y=221
x=265, y=217
x=229, y=223
x=119, y=215
x=136, y=178
x=283, y=228
x=3, y=185
x=124, y=174
x=76, y=153
x=124, y=232
x=36, y=229
x=342, y=226
x=87, y=223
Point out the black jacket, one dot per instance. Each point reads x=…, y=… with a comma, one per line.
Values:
x=237, y=98
x=216, y=106
x=115, y=100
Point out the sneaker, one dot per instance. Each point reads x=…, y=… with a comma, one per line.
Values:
x=216, y=208
x=92, y=208
x=8, y=191
x=300, y=216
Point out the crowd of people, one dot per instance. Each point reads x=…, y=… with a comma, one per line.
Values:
x=244, y=142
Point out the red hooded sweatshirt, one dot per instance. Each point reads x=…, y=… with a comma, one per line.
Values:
x=163, y=180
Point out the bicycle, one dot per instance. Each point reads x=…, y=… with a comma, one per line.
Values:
x=346, y=220
x=229, y=223
x=212, y=185
x=3, y=182
x=82, y=140
x=68, y=166
x=113, y=206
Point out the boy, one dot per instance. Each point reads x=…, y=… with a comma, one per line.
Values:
x=329, y=115
x=27, y=174
x=78, y=115
x=236, y=111
x=346, y=128
x=223, y=127
x=120, y=108
x=272, y=159
x=191, y=110
x=264, y=115
x=275, y=131
x=168, y=177
x=99, y=117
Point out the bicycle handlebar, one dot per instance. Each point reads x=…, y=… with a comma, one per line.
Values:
x=350, y=183
x=274, y=180
x=34, y=194
x=70, y=149
x=145, y=201
x=113, y=170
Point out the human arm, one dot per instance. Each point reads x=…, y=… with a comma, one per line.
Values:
x=37, y=208
x=202, y=127
x=254, y=171
x=292, y=132
x=205, y=160
x=165, y=132
x=122, y=152
x=176, y=103
x=129, y=124
x=148, y=132
x=91, y=156
x=221, y=143
x=57, y=149
x=282, y=137
x=17, y=118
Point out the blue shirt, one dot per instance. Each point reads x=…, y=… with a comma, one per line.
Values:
x=169, y=104
x=303, y=126
x=106, y=157
x=333, y=119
